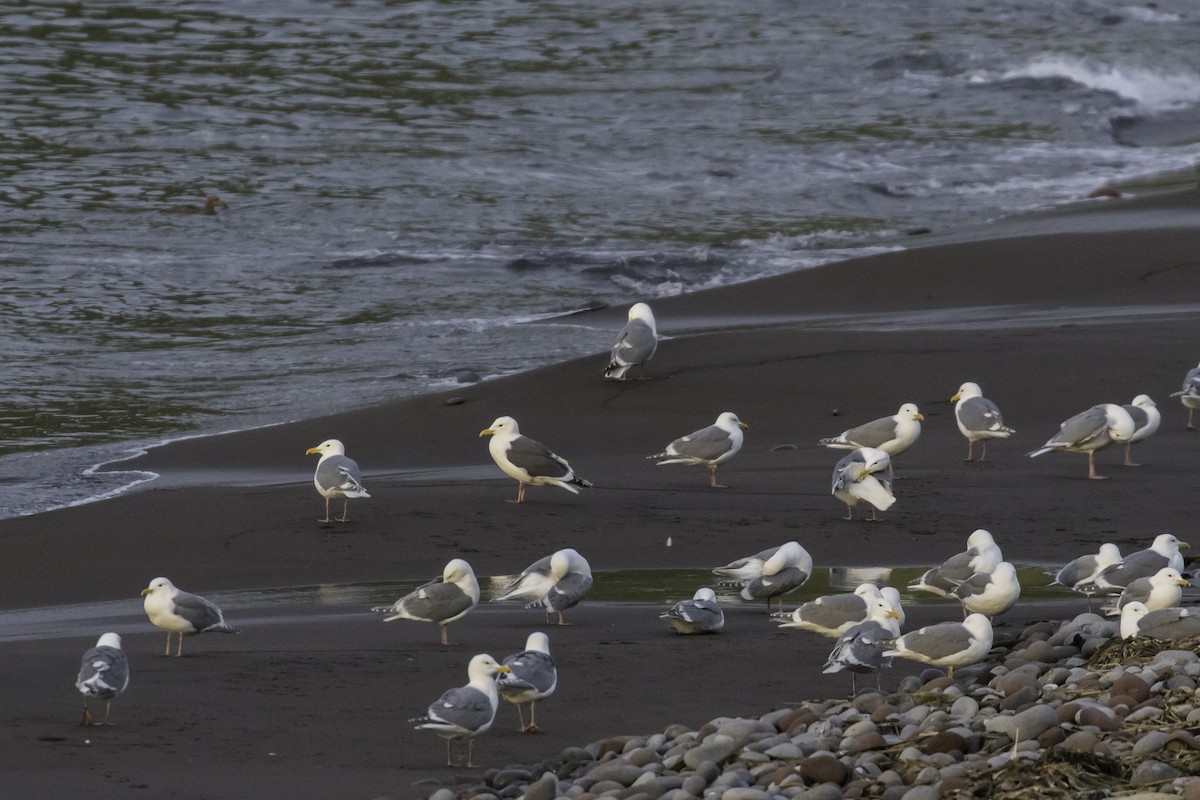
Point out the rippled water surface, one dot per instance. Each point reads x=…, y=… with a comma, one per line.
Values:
x=404, y=181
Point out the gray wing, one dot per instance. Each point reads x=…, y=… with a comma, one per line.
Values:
x=704, y=614
x=635, y=343
x=951, y=572
x=435, y=601
x=104, y=672
x=536, y=459
x=566, y=593
x=977, y=584
x=1138, y=590
x=1141, y=564
x=1139, y=415
x=833, y=611
x=1082, y=428
x=1169, y=624
x=860, y=648
x=979, y=414
x=464, y=707
x=531, y=670
x=706, y=443
x=1077, y=570
x=339, y=472
x=781, y=582
x=200, y=612
x=840, y=478
x=939, y=641
x=873, y=433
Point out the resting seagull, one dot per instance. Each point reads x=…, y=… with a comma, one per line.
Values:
x=103, y=672
x=982, y=555
x=1162, y=552
x=1189, y=395
x=701, y=614
x=784, y=571
x=177, y=611
x=468, y=711
x=947, y=644
x=635, y=344
x=1080, y=575
x=1146, y=419
x=709, y=446
x=336, y=476
x=1166, y=624
x=555, y=583
x=893, y=435
x=442, y=600
x=532, y=677
x=861, y=648
x=978, y=418
x=527, y=461
x=1089, y=431
x=863, y=477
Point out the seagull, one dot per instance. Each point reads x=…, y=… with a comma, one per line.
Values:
x=833, y=615
x=1166, y=624
x=103, y=672
x=863, y=476
x=467, y=711
x=701, y=614
x=746, y=567
x=555, y=583
x=990, y=593
x=978, y=418
x=529, y=462
x=1089, y=431
x=1160, y=590
x=861, y=647
x=946, y=644
x=1146, y=419
x=893, y=435
x=1080, y=575
x=1162, y=552
x=635, y=344
x=336, y=476
x=1189, y=395
x=531, y=677
x=442, y=600
x=784, y=571
x=709, y=446
x=982, y=555
x=177, y=611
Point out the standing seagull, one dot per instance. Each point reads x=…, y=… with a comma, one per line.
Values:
x=990, y=593
x=442, y=600
x=635, y=344
x=1189, y=395
x=104, y=672
x=1146, y=419
x=555, y=583
x=1089, y=431
x=786, y=570
x=861, y=647
x=467, y=711
x=709, y=446
x=863, y=476
x=336, y=476
x=893, y=435
x=177, y=611
x=946, y=644
x=532, y=677
x=701, y=614
x=978, y=418
x=527, y=461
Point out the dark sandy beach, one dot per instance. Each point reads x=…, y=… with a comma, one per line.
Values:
x=1093, y=305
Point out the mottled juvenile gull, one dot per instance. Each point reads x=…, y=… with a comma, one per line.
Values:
x=532, y=677
x=861, y=647
x=785, y=571
x=1080, y=575
x=893, y=435
x=177, y=611
x=103, y=672
x=467, y=711
x=701, y=614
x=442, y=600
x=1161, y=590
x=978, y=418
x=1189, y=395
x=946, y=644
x=556, y=582
x=862, y=477
x=982, y=555
x=1162, y=552
x=635, y=344
x=990, y=593
x=1089, y=431
x=527, y=461
x=833, y=615
x=1167, y=624
x=1146, y=419
x=336, y=476
x=708, y=447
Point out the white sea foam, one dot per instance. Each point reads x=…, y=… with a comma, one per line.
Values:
x=1152, y=90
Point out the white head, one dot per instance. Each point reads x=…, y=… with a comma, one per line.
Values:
x=1120, y=425
x=483, y=669
x=641, y=311
x=329, y=447
x=1167, y=576
x=909, y=411
x=1109, y=554
x=109, y=640
x=1167, y=545
x=980, y=538
x=538, y=641
x=979, y=626
x=729, y=421
x=1143, y=401
x=868, y=591
x=456, y=570
x=874, y=459
x=967, y=391
x=1131, y=616
x=1005, y=572
x=788, y=555
x=881, y=611
x=502, y=425
x=705, y=594
x=568, y=560
x=159, y=585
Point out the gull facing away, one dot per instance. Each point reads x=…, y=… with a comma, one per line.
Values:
x=982, y=555
x=1080, y=575
x=1089, y=431
x=177, y=611
x=1161, y=590
x=336, y=477
x=103, y=672
x=1162, y=552
x=861, y=647
x=784, y=571
x=1166, y=624
x=833, y=614
x=990, y=593
x=556, y=582
x=946, y=644
x=1146, y=419
x=708, y=447
x=442, y=600
x=635, y=344
x=1189, y=395
x=893, y=435
x=527, y=461
x=467, y=711
x=978, y=418
x=701, y=614
x=864, y=476
x=532, y=677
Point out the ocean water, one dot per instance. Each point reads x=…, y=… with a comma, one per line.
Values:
x=407, y=181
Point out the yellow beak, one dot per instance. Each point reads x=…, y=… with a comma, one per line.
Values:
x=920, y=416
x=743, y=426
x=487, y=432
x=145, y=591
x=954, y=399
x=312, y=451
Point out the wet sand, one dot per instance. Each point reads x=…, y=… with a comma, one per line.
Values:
x=313, y=701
